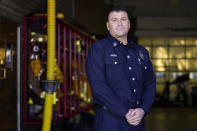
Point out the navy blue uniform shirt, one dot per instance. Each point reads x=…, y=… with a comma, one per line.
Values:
x=121, y=76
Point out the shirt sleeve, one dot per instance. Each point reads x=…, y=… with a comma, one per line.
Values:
x=149, y=84
x=102, y=93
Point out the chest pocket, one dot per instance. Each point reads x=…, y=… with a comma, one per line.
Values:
x=144, y=65
x=115, y=69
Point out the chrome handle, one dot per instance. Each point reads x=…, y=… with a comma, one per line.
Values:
x=2, y=73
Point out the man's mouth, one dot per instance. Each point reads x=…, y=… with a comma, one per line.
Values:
x=120, y=28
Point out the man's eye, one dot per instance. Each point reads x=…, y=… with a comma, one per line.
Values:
x=124, y=19
x=114, y=20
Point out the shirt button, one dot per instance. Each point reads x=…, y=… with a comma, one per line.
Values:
x=105, y=108
x=133, y=78
x=139, y=60
x=130, y=68
x=115, y=62
x=145, y=67
x=128, y=57
x=134, y=90
x=138, y=102
x=115, y=44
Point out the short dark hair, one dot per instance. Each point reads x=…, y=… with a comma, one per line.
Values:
x=116, y=9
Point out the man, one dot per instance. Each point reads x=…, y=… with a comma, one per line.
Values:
x=121, y=77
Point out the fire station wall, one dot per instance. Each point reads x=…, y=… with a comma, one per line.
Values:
x=166, y=26
x=7, y=84
x=92, y=14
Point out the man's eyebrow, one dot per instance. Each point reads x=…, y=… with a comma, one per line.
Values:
x=124, y=17
x=113, y=18
x=121, y=17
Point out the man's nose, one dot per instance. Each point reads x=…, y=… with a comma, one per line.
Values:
x=119, y=22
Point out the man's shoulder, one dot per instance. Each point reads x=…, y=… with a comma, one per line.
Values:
x=100, y=43
x=140, y=47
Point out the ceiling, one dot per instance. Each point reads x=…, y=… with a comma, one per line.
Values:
x=161, y=17
x=161, y=8
x=153, y=17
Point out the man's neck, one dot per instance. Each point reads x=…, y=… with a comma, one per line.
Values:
x=122, y=39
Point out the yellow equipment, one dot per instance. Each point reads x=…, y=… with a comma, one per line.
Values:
x=51, y=30
x=35, y=66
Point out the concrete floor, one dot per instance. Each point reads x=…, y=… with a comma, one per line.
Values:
x=159, y=119
x=172, y=119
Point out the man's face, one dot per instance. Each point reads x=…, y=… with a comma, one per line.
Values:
x=118, y=24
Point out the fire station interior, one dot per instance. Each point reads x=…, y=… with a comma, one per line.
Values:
x=166, y=28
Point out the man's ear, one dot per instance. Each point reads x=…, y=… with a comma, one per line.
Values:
x=107, y=25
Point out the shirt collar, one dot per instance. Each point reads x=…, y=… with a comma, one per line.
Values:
x=115, y=43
